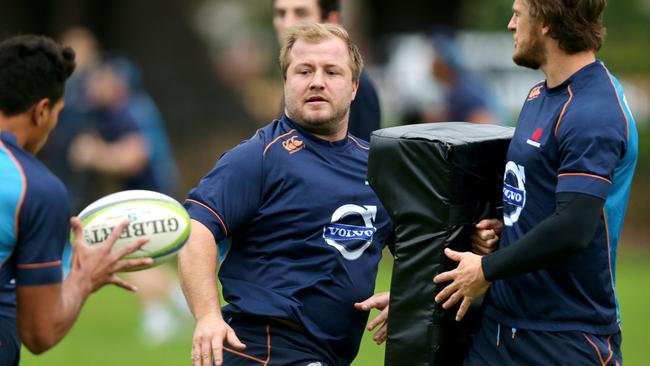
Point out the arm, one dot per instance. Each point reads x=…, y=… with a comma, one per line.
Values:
x=45, y=313
x=562, y=234
x=567, y=231
x=127, y=156
x=197, y=264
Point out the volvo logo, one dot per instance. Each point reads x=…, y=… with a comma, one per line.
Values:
x=351, y=240
x=514, y=193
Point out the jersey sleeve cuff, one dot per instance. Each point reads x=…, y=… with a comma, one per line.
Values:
x=208, y=217
x=39, y=274
x=584, y=183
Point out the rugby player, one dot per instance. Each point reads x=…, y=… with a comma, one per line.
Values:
x=37, y=306
x=566, y=185
x=288, y=219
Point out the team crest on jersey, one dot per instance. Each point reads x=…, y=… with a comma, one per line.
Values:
x=514, y=193
x=535, y=92
x=534, y=139
x=351, y=230
x=293, y=145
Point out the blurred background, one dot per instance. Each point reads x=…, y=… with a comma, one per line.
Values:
x=206, y=72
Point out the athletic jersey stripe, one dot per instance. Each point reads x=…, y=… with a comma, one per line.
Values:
x=609, y=348
x=620, y=102
x=223, y=224
x=600, y=356
x=22, y=194
x=559, y=119
x=268, y=344
x=357, y=143
x=609, y=262
x=585, y=175
x=39, y=265
x=278, y=138
x=242, y=354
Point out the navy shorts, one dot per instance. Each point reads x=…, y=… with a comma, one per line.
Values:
x=270, y=342
x=9, y=342
x=498, y=344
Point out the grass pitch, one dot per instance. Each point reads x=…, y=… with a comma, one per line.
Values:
x=106, y=333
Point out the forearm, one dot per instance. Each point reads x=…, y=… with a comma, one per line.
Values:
x=197, y=265
x=567, y=231
x=125, y=157
x=74, y=292
x=42, y=330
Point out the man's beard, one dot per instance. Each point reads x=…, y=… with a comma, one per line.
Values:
x=320, y=126
x=533, y=56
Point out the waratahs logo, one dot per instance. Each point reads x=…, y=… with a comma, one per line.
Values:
x=514, y=193
x=351, y=230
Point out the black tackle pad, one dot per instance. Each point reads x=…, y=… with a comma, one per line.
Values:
x=436, y=180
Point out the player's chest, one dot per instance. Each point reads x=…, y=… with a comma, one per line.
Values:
x=535, y=140
x=313, y=178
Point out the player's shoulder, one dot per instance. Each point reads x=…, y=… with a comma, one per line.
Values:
x=36, y=184
x=595, y=98
x=359, y=143
x=262, y=141
x=281, y=137
x=42, y=186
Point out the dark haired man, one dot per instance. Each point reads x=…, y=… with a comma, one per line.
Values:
x=566, y=186
x=365, y=112
x=37, y=306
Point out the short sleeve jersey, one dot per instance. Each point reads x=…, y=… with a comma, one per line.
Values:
x=577, y=137
x=34, y=224
x=300, y=231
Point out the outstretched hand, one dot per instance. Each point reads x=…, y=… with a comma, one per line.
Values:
x=99, y=263
x=467, y=282
x=377, y=301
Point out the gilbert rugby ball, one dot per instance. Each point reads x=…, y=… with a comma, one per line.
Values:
x=154, y=215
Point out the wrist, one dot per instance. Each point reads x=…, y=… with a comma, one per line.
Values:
x=80, y=283
x=484, y=261
x=200, y=315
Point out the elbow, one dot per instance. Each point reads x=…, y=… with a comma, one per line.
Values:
x=577, y=243
x=38, y=344
x=38, y=340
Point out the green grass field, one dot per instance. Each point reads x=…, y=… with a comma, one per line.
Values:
x=107, y=330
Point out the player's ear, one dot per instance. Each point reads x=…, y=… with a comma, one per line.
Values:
x=545, y=29
x=355, y=86
x=40, y=111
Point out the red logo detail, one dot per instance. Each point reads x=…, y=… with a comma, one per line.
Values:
x=535, y=92
x=537, y=135
x=293, y=145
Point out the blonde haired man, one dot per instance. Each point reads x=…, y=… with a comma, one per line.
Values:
x=288, y=216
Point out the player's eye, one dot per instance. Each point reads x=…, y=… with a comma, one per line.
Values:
x=302, y=13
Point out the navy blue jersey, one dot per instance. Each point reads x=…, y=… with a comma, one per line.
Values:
x=365, y=112
x=577, y=137
x=34, y=225
x=300, y=231
x=114, y=124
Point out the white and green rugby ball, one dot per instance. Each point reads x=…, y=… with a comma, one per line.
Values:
x=154, y=215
